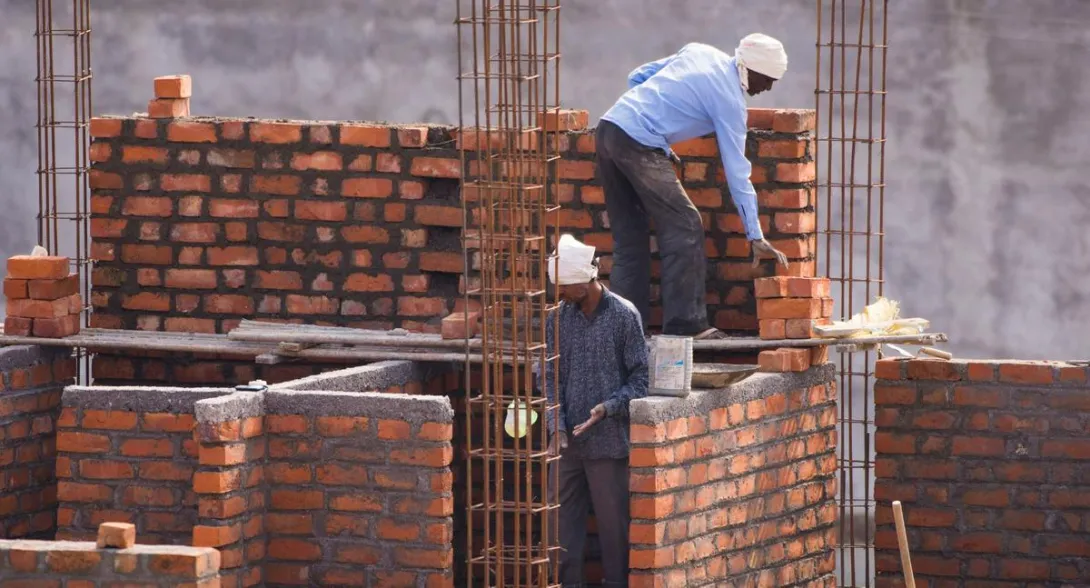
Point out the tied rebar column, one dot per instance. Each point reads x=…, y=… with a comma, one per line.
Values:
x=63, y=35
x=851, y=109
x=508, y=89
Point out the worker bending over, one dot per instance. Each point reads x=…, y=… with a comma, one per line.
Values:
x=696, y=91
x=602, y=366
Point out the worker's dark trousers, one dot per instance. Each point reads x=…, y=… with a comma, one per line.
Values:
x=640, y=182
x=603, y=483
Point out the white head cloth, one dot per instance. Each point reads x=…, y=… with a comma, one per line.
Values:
x=576, y=263
x=762, y=54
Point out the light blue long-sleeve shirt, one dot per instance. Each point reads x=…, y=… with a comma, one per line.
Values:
x=689, y=94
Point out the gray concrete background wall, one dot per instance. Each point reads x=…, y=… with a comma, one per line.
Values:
x=987, y=189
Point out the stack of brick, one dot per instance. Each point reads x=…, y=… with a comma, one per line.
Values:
x=790, y=308
x=43, y=298
x=172, y=94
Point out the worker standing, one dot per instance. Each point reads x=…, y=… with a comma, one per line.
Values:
x=602, y=366
x=696, y=91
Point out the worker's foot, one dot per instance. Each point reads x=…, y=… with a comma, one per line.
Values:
x=709, y=334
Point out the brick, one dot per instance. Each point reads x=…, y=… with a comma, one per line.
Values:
x=143, y=154
x=798, y=287
x=793, y=121
x=440, y=216
x=799, y=328
x=175, y=86
x=276, y=133
x=435, y=167
x=191, y=132
x=367, y=188
x=1026, y=373
x=782, y=149
x=25, y=267
x=72, y=561
x=116, y=535
x=772, y=328
x=168, y=108
x=819, y=355
x=413, y=137
x=18, y=326
x=51, y=289
x=47, y=309
x=365, y=135
x=784, y=360
x=105, y=127
x=459, y=326
x=761, y=118
x=788, y=308
x=185, y=183
x=563, y=120
x=772, y=287
x=106, y=419
x=15, y=289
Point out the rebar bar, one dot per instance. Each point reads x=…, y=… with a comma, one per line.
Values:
x=63, y=140
x=509, y=64
x=850, y=95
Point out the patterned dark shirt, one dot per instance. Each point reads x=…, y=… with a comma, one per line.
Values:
x=603, y=359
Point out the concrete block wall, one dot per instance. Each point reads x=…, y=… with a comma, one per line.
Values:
x=53, y=564
x=736, y=486
x=991, y=462
x=31, y=380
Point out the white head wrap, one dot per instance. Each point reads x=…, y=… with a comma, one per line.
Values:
x=576, y=263
x=762, y=54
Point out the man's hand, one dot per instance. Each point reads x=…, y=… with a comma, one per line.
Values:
x=762, y=248
x=596, y=414
x=558, y=443
x=674, y=158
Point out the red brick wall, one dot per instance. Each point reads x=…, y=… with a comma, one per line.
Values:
x=49, y=564
x=293, y=485
x=31, y=380
x=736, y=487
x=990, y=462
x=360, y=490
x=128, y=455
x=197, y=223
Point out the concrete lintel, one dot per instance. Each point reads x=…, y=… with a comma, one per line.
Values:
x=232, y=407
x=376, y=376
x=413, y=408
x=658, y=409
x=139, y=398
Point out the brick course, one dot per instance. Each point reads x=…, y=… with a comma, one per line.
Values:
x=737, y=487
x=31, y=379
x=989, y=459
x=198, y=222
x=52, y=564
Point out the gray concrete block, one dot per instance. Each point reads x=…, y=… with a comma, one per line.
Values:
x=237, y=406
x=413, y=408
x=139, y=399
x=658, y=409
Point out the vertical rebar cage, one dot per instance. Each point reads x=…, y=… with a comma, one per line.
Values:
x=508, y=92
x=63, y=35
x=851, y=108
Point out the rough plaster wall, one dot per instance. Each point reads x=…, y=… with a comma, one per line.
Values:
x=986, y=205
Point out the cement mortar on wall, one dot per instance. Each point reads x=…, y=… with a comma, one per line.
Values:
x=700, y=402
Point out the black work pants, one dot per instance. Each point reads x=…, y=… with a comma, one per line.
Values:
x=602, y=483
x=640, y=182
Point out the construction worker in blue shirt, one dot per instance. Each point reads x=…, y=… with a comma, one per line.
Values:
x=694, y=92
